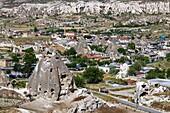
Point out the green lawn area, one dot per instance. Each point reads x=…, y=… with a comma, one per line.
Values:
x=104, y=97
x=120, y=89
x=97, y=86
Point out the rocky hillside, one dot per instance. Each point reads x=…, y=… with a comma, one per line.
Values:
x=62, y=7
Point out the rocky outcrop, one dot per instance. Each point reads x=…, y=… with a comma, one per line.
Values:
x=111, y=50
x=51, y=78
x=63, y=7
x=3, y=79
x=84, y=103
x=82, y=47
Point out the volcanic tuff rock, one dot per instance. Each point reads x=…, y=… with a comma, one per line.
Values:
x=82, y=47
x=51, y=78
x=63, y=7
x=3, y=79
x=111, y=50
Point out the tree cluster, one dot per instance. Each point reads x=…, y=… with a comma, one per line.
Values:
x=122, y=60
x=84, y=61
x=140, y=62
x=28, y=58
x=133, y=68
x=131, y=46
x=98, y=48
x=122, y=51
x=90, y=75
x=93, y=75
x=69, y=52
x=87, y=36
x=158, y=73
x=168, y=57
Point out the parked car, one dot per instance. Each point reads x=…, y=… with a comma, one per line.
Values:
x=104, y=90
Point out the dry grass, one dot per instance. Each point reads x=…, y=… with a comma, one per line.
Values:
x=164, y=64
x=161, y=105
x=28, y=40
x=12, y=110
x=106, y=109
x=60, y=48
x=162, y=93
x=122, y=96
x=118, y=109
x=120, y=89
x=97, y=86
x=108, y=76
x=104, y=97
x=79, y=98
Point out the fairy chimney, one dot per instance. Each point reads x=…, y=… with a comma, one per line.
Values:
x=3, y=79
x=51, y=78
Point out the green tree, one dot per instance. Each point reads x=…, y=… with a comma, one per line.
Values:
x=157, y=73
x=29, y=50
x=122, y=60
x=87, y=36
x=131, y=71
x=35, y=29
x=72, y=30
x=72, y=65
x=113, y=71
x=131, y=45
x=109, y=13
x=29, y=59
x=98, y=48
x=8, y=71
x=168, y=73
x=71, y=51
x=122, y=51
x=79, y=81
x=93, y=62
x=17, y=66
x=104, y=62
x=132, y=37
x=137, y=66
x=168, y=57
x=145, y=59
x=93, y=75
x=15, y=58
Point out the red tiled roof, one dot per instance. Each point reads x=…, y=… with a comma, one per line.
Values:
x=129, y=81
x=124, y=38
x=139, y=73
x=94, y=57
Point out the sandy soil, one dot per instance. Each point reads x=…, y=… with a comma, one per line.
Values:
x=118, y=109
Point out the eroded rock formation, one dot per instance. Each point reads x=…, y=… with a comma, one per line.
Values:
x=82, y=47
x=111, y=50
x=51, y=78
x=3, y=79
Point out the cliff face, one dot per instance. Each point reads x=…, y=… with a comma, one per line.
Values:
x=62, y=7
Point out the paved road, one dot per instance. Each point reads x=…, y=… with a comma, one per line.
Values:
x=143, y=108
x=139, y=107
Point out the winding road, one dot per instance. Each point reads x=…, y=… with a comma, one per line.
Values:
x=143, y=108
